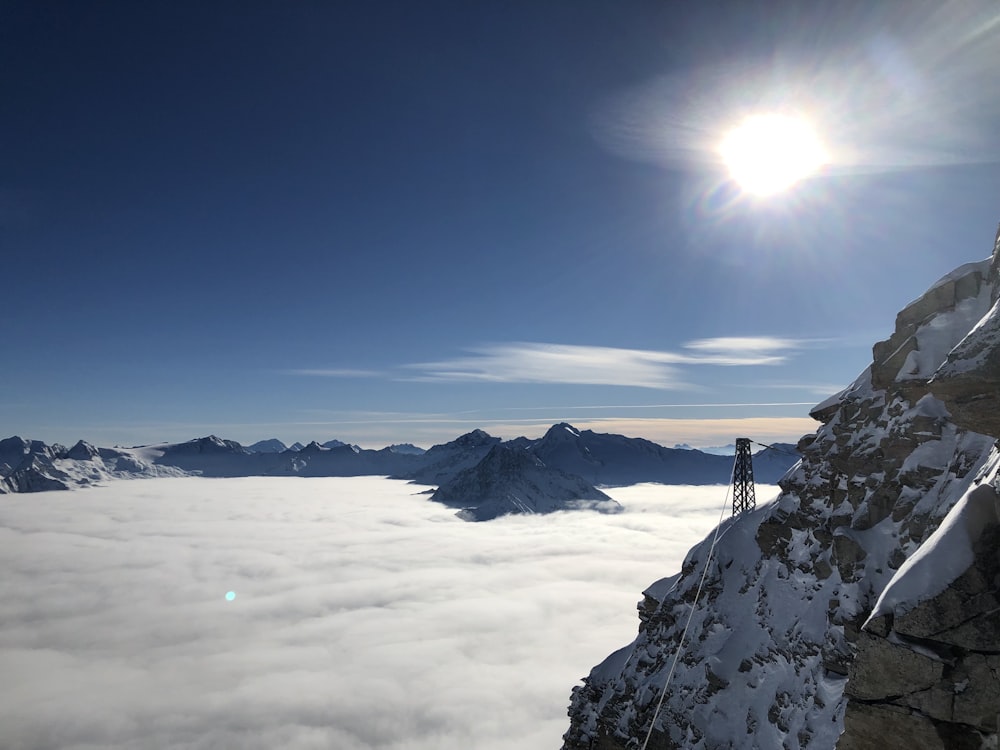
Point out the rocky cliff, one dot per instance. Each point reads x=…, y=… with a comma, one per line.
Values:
x=777, y=631
x=926, y=672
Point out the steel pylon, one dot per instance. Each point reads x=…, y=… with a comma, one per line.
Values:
x=743, y=493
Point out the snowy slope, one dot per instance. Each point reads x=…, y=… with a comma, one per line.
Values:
x=789, y=585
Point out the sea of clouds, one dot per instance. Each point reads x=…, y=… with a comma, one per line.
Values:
x=361, y=615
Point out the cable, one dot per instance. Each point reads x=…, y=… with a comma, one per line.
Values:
x=776, y=449
x=694, y=606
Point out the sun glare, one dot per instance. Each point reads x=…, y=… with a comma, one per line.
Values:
x=767, y=154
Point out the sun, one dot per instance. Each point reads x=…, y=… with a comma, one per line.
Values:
x=767, y=154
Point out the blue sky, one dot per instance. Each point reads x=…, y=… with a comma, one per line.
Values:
x=394, y=221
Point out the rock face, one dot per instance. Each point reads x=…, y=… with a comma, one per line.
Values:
x=777, y=630
x=927, y=669
x=969, y=381
x=928, y=660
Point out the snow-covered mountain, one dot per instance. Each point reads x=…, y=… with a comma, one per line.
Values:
x=862, y=599
x=271, y=445
x=409, y=448
x=442, y=462
x=511, y=479
x=33, y=466
x=716, y=450
x=597, y=458
x=616, y=460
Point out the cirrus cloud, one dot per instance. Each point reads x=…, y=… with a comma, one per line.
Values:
x=526, y=362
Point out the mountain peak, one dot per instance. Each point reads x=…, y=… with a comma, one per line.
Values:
x=512, y=480
x=408, y=449
x=271, y=445
x=561, y=431
x=475, y=438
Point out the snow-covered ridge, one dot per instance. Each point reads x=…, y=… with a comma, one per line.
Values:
x=931, y=326
x=947, y=553
x=789, y=586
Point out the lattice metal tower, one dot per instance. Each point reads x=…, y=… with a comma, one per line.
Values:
x=743, y=495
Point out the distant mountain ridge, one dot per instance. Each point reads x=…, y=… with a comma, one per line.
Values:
x=559, y=470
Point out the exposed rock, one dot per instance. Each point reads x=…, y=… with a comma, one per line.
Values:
x=37, y=474
x=938, y=656
x=888, y=727
x=82, y=451
x=945, y=614
x=973, y=394
x=882, y=668
x=969, y=380
x=916, y=349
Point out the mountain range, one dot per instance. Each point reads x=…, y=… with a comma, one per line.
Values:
x=473, y=473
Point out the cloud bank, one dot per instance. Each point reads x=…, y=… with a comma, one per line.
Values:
x=364, y=616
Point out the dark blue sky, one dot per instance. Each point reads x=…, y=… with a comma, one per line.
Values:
x=398, y=221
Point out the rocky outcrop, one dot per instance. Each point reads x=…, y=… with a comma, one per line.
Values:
x=917, y=348
x=927, y=669
x=788, y=587
x=29, y=466
x=929, y=657
x=969, y=381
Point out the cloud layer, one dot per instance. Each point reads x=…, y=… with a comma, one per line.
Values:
x=364, y=617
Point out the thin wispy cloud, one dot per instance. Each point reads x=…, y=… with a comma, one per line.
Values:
x=572, y=364
x=525, y=362
x=557, y=363
x=616, y=407
x=336, y=372
x=742, y=350
x=820, y=389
